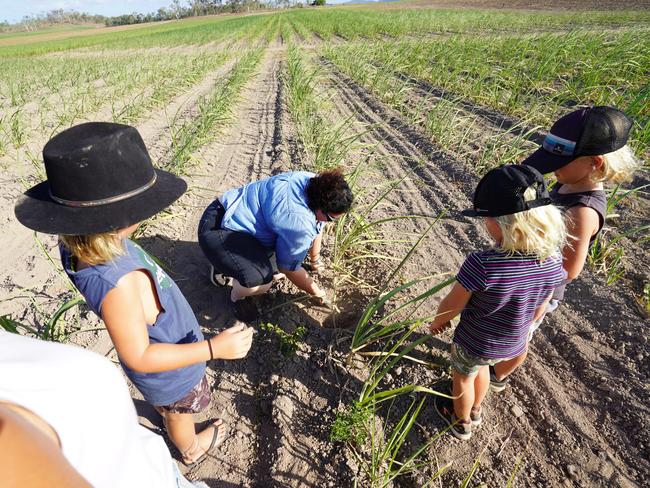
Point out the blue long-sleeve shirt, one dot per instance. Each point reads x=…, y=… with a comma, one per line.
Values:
x=275, y=211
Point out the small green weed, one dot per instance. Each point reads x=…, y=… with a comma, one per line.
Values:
x=350, y=424
x=289, y=342
x=606, y=254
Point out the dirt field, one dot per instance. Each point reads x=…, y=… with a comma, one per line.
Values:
x=572, y=5
x=575, y=414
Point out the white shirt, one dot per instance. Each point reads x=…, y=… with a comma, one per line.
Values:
x=85, y=400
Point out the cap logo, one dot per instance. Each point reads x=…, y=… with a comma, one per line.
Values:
x=558, y=145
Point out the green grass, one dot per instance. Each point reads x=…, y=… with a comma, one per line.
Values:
x=326, y=143
x=213, y=111
x=532, y=77
x=355, y=23
x=606, y=252
x=195, y=31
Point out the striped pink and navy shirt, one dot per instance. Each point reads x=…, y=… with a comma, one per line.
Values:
x=506, y=290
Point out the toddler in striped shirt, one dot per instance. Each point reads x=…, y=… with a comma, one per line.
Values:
x=499, y=292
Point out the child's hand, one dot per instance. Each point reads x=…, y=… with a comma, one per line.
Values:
x=232, y=343
x=439, y=329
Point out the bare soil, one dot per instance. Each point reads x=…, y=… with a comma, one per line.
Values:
x=571, y=5
x=575, y=414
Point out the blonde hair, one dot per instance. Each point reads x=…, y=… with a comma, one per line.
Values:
x=618, y=166
x=540, y=231
x=94, y=249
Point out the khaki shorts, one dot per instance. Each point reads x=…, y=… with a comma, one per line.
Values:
x=468, y=364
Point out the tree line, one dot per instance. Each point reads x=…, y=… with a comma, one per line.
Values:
x=176, y=10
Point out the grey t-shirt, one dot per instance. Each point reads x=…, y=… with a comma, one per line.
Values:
x=176, y=323
x=596, y=199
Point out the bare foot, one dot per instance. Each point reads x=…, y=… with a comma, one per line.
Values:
x=205, y=441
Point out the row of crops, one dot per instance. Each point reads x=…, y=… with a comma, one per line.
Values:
x=122, y=78
x=447, y=86
x=533, y=78
x=352, y=24
x=440, y=69
x=375, y=425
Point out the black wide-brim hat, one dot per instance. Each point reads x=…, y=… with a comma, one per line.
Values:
x=99, y=178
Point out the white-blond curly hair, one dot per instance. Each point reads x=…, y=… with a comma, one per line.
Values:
x=540, y=231
x=618, y=166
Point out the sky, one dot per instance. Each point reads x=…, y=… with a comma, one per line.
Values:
x=14, y=10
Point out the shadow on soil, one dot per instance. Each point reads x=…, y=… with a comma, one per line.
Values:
x=288, y=401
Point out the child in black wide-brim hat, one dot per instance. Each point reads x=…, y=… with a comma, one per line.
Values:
x=584, y=149
x=100, y=185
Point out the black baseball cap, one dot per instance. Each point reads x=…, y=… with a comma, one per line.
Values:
x=501, y=191
x=590, y=131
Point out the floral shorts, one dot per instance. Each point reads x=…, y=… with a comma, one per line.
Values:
x=197, y=399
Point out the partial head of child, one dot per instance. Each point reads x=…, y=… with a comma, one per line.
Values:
x=587, y=146
x=515, y=203
x=94, y=249
x=100, y=185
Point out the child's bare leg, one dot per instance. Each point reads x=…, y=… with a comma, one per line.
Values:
x=463, y=389
x=481, y=386
x=504, y=368
x=181, y=430
x=238, y=291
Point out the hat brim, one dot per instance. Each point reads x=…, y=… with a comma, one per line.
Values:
x=546, y=162
x=470, y=212
x=36, y=210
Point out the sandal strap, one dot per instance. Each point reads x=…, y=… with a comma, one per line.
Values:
x=193, y=449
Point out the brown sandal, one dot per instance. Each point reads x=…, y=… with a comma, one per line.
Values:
x=216, y=440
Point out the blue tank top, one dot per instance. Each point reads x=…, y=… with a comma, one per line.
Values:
x=175, y=324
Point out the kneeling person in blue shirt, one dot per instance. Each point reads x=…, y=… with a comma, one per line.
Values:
x=266, y=228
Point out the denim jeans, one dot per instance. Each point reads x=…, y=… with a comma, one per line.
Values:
x=234, y=254
x=182, y=482
x=550, y=307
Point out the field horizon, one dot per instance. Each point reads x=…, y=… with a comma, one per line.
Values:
x=414, y=101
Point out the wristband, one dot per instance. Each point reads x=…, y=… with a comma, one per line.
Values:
x=210, y=347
